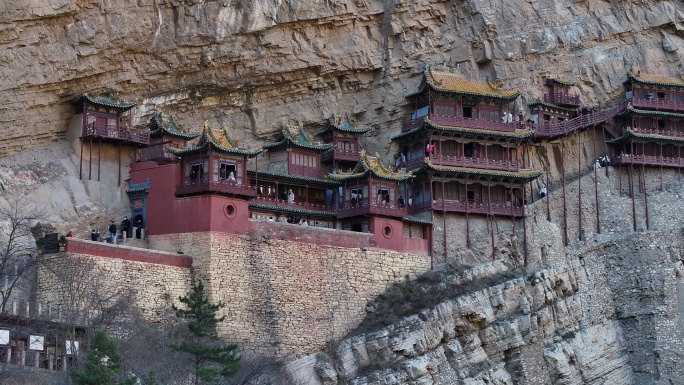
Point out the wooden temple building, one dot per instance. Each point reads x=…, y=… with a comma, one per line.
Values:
x=466, y=149
x=104, y=120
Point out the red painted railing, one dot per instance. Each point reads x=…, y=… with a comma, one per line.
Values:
x=295, y=205
x=657, y=131
x=350, y=210
x=158, y=152
x=569, y=126
x=337, y=154
x=562, y=98
x=462, y=161
x=221, y=186
x=495, y=208
x=658, y=104
x=123, y=133
x=651, y=160
x=463, y=122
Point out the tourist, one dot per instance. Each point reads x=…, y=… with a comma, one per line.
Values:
x=93, y=235
x=400, y=201
x=290, y=196
x=410, y=200
x=112, y=232
x=138, y=228
x=69, y=235
x=231, y=177
x=126, y=227
x=304, y=222
x=379, y=197
x=542, y=192
x=403, y=159
x=597, y=165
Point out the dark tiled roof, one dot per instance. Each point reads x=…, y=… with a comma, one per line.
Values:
x=523, y=175
x=664, y=114
x=551, y=106
x=293, y=178
x=449, y=79
x=105, y=101
x=344, y=124
x=629, y=134
x=563, y=82
x=292, y=210
x=655, y=80
x=374, y=165
x=165, y=124
x=520, y=134
x=295, y=135
x=219, y=140
x=422, y=221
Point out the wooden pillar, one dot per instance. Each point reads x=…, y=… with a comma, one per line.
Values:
x=90, y=160
x=467, y=216
x=579, y=185
x=446, y=252
x=643, y=177
x=99, y=156
x=661, y=166
x=631, y=193
x=565, y=209
x=119, y=159
x=80, y=165
x=598, y=217
x=605, y=153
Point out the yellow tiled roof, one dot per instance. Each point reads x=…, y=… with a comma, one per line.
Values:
x=656, y=79
x=445, y=80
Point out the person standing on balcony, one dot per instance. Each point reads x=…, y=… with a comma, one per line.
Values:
x=400, y=201
x=542, y=192
x=290, y=196
x=231, y=177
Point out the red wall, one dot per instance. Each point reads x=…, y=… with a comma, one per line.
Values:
x=396, y=240
x=167, y=214
x=106, y=250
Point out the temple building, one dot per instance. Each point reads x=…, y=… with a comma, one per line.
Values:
x=344, y=136
x=558, y=107
x=104, y=121
x=293, y=186
x=165, y=133
x=652, y=124
x=465, y=146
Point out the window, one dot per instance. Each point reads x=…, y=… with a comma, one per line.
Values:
x=444, y=109
x=451, y=190
x=448, y=147
x=383, y=195
x=547, y=118
x=467, y=112
x=661, y=95
x=356, y=196
x=661, y=123
x=469, y=150
x=419, y=113
x=490, y=114
x=196, y=172
x=228, y=171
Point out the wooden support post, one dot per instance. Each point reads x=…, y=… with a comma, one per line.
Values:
x=579, y=186
x=565, y=209
x=605, y=153
x=446, y=252
x=99, y=156
x=661, y=167
x=119, y=159
x=643, y=178
x=467, y=216
x=90, y=160
x=80, y=165
x=598, y=217
x=631, y=193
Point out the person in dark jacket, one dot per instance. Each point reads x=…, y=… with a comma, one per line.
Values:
x=126, y=227
x=112, y=233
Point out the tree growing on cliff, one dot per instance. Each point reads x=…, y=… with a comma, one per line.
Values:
x=103, y=364
x=18, y=252
x=211, y=359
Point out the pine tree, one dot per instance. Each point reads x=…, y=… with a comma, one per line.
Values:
x=212, y=360
x=103, y=363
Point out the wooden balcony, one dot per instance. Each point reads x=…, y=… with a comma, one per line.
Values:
x=158, y=153
x=659, y=131
x=649, y=160
x=114, y=134
x=203, y=185
x=658, y=104
x=295, y=205
x=340, y=155
x=462, y=161
x=452, y=121
x=495, y=208
x=562, y=99
x=373, y=208
x=546, y=130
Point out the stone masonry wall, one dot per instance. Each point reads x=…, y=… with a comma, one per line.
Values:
x=289, y=298
x=81, y=277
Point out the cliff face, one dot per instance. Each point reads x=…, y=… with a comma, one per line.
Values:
x=254, y=64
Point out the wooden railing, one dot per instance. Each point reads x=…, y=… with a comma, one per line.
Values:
x=495, y=208
x=158, y=152
x=350, y=210
x=651, y=160
x=463, y=122
x=658, y=104
x=338, y=154
x=123, y=133
x=562, y=98
x=294, y=205
x=658, y=131
x=563, y=128
x=203, y=185
x=462, y=161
